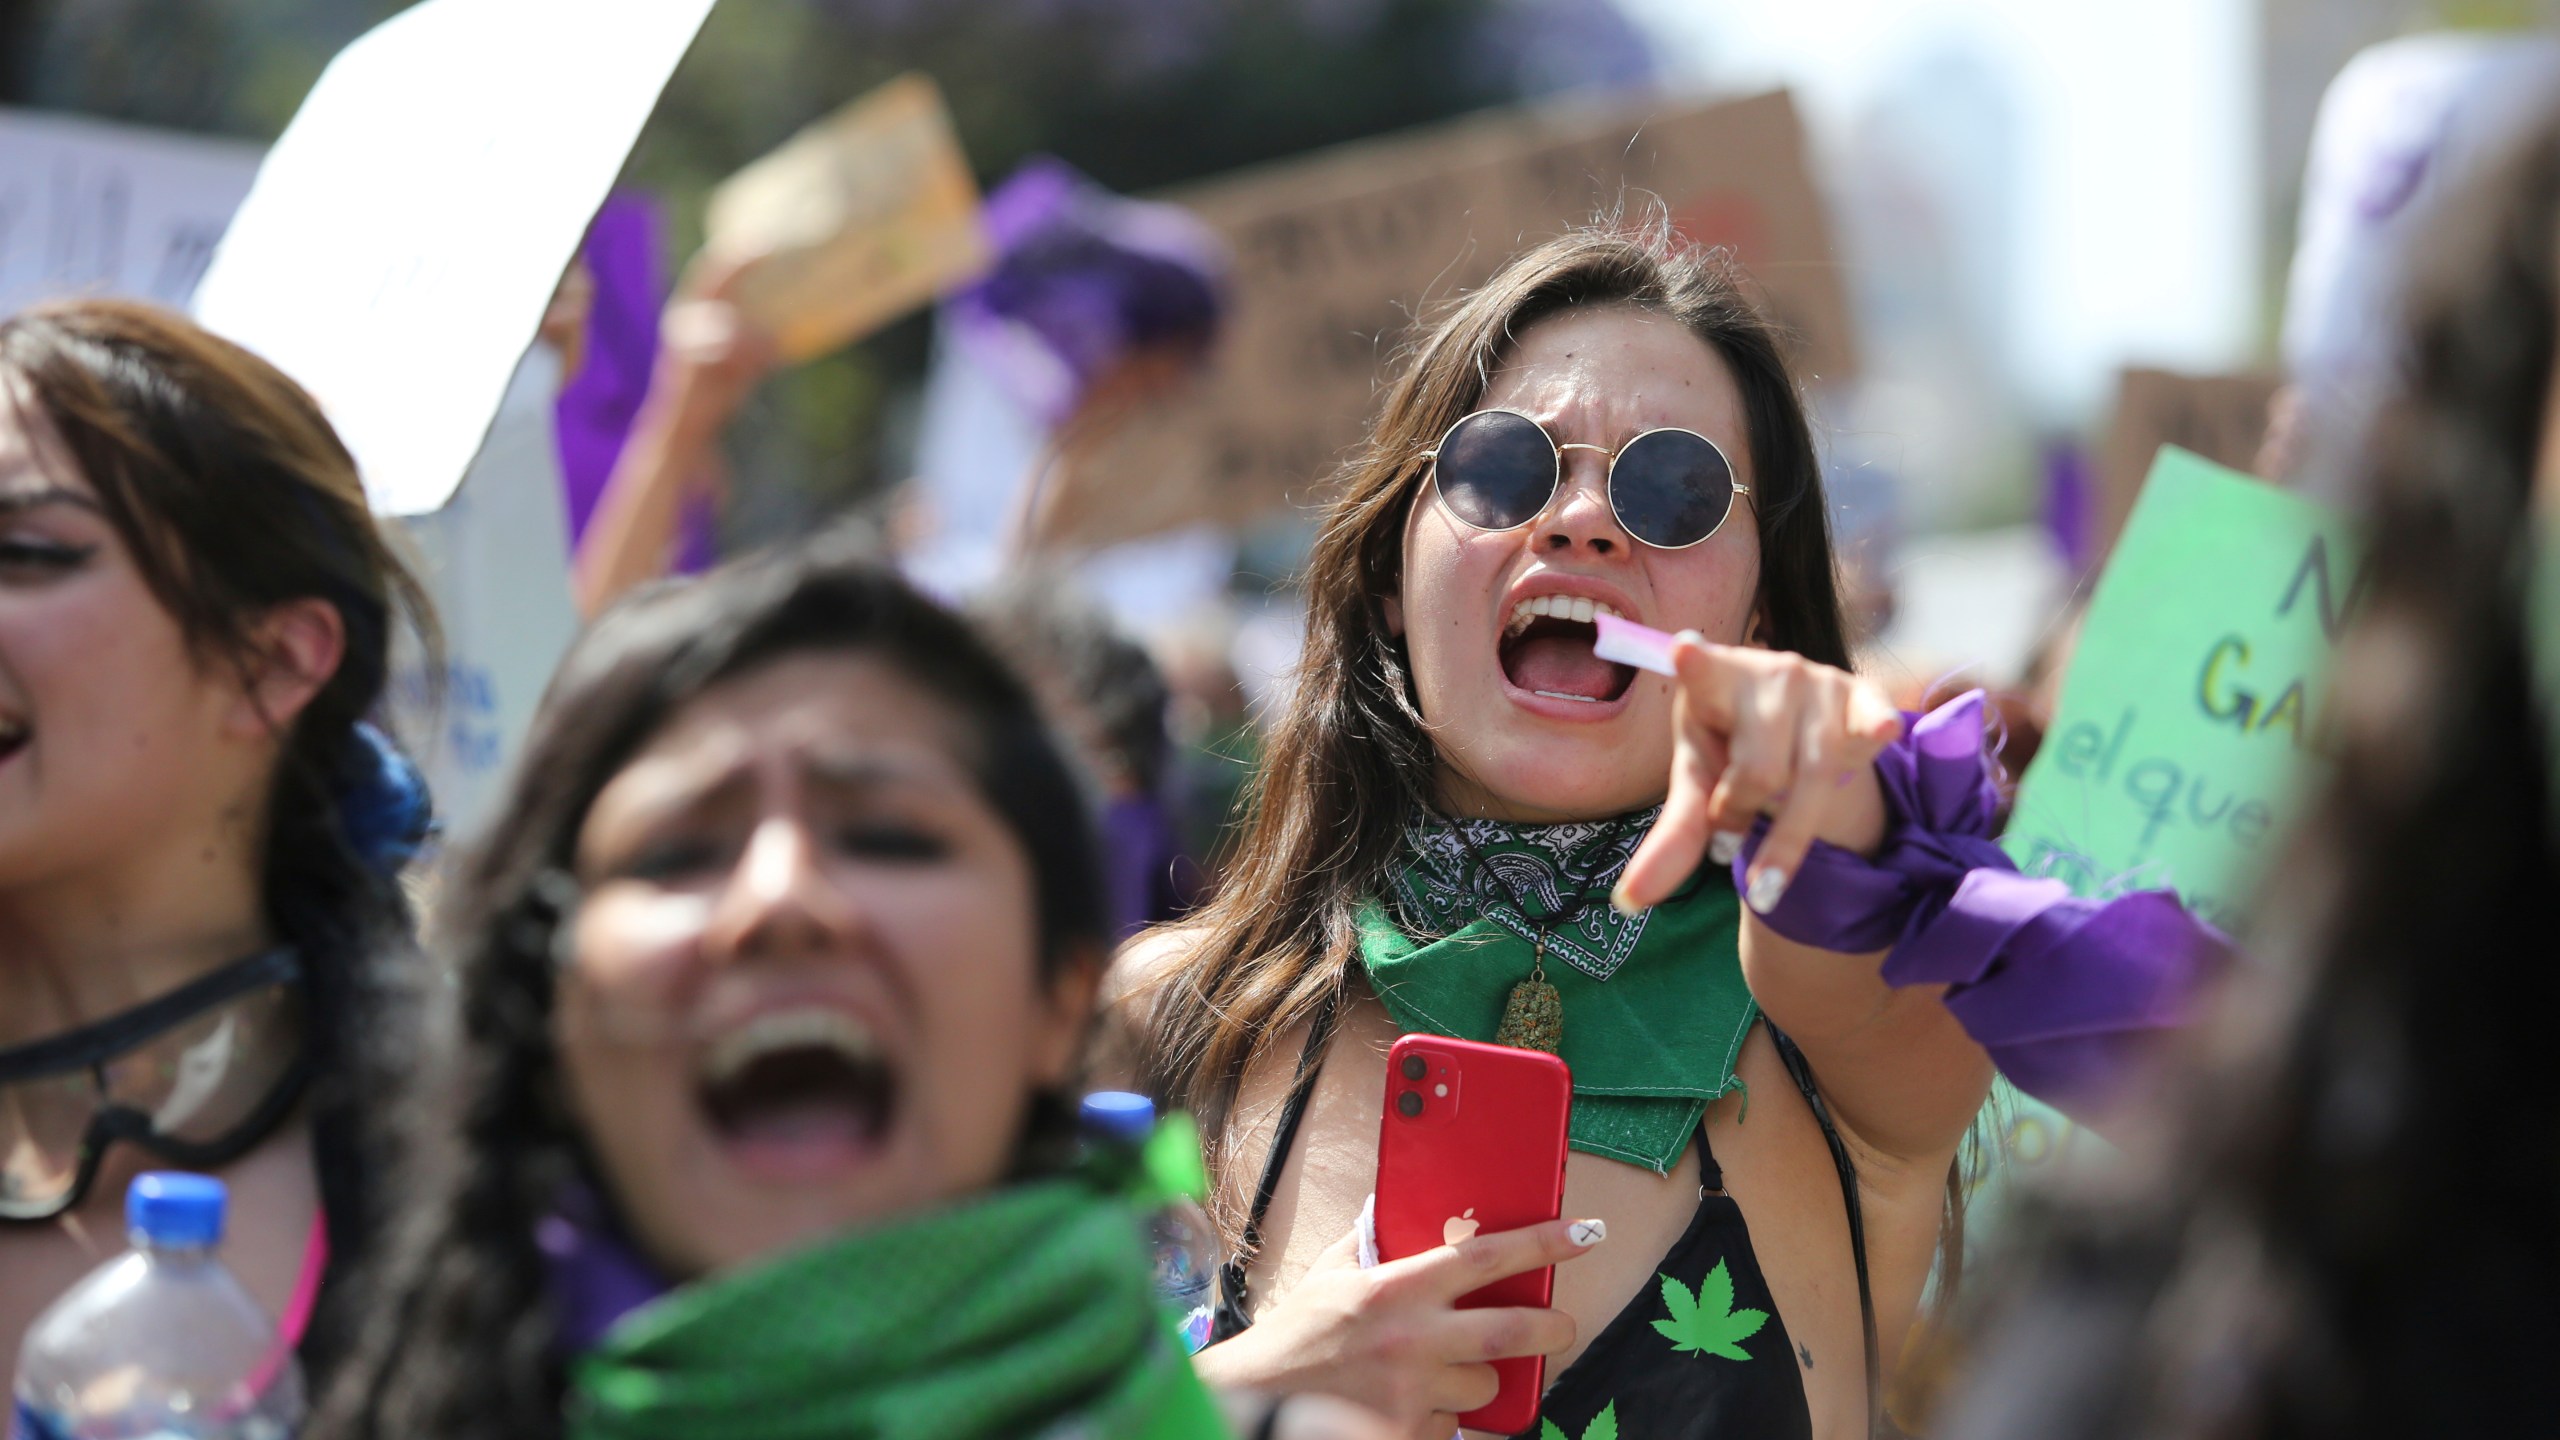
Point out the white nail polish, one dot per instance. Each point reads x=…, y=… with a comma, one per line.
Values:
x=1766, y=887
x=1587, y=1233
x=1723, y=846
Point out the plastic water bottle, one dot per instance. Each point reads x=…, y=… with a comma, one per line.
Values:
x=1179, y=1235
x=160, y=1343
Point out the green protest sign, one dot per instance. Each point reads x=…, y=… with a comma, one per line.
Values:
x=2195, y=700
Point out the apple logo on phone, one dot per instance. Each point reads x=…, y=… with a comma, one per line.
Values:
x=1459, y=1227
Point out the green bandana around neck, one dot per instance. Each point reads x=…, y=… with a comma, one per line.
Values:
x=1026, y=1312
x=1655, y=1008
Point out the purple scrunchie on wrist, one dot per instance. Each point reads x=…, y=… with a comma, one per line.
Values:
x=2063, y=992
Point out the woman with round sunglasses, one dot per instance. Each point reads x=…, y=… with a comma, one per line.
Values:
x=1469, y=823
x=198, y=833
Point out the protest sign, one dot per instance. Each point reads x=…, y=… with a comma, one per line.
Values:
x=407, y=231
x=857, y=219
x=2195, y=702
x=88, y=208
x=2220, y=417
x=1337, y=254
x=494, y=560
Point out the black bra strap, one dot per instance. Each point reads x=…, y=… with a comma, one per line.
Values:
x=1803, y=1073
x=1229, y=1319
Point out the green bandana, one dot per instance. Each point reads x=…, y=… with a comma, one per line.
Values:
x=1027, y=1312
x=1655, y=1008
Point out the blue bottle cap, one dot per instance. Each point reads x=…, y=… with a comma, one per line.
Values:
x=170, y=1207
x=1120, y=1115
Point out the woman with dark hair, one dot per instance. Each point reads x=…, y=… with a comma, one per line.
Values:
x=199, y=836
x=2342, y=1221
x=1471, y=823
x=773, y=977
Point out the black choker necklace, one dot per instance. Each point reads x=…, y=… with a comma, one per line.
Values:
x=50, y=1152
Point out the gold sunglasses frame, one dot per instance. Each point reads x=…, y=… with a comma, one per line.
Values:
x=1555, y=483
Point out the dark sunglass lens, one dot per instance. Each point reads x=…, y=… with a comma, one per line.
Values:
x=1670, y=488
x=1496, y=470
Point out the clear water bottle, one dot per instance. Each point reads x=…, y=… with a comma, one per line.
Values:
x=160, y=1343
x=1184, y=1245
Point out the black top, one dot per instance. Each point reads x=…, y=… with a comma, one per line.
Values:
x=1702, y=1354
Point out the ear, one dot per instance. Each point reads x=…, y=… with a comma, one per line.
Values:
x=1755, y=631
x=1068, y=1018
x=1393, y=608
x=298, y=646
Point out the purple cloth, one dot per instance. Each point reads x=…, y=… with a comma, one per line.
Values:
x=595, y=1276
x=1082, y=279
x=593, y=416
x=1139, y=855
x=2063, y=992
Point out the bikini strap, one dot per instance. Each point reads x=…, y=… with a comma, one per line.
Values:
x=1710, y=1174
x=1229, y=1320
x=1803, y=1073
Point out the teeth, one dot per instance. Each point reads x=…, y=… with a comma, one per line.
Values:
x=1561, y=607
x=780, y=1030
x=1560, y=695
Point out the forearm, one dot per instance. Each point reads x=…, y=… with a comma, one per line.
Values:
x=1897, y=1066
x=634, y=526
x=2063, y=993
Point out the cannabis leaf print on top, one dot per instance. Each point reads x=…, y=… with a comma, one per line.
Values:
x=1706, y=1322
x=1604, y=1426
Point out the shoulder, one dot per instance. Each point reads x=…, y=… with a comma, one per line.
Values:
x=1133, y=990
x=1147, y=962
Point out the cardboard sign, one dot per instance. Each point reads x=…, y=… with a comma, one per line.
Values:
x=407, y=231
x=88, y=208
x=1338, y=253
x=2220, y=417
x=859, y=218
x=2195, y=704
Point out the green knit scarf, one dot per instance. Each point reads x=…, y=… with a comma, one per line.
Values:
x=1025, y=1312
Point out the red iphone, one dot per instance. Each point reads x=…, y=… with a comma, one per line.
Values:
x=1473, y=1140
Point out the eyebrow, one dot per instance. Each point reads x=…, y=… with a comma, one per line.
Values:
x=833, y=773
x=20, y=502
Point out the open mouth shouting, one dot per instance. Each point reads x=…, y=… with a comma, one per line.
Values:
x=1545, y=651
x=797, y=1093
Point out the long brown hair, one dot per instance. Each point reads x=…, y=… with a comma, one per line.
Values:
x=1350, y=762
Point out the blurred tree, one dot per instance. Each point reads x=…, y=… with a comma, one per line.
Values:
x=1140, y=94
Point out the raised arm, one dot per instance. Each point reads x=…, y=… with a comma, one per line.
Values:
x=1888, y=932
x=709, y=358
x=1771, y=734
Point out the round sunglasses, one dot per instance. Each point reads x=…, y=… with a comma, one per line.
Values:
x=1499, y=469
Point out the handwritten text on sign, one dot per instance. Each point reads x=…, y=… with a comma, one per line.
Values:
x=2196, y=697
x=92, y=208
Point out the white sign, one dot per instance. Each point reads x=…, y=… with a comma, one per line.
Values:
x=89, y=208
x=496, y=561
x=406, y=232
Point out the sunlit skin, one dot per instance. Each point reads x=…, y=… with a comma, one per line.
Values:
x=131, y=827
x=805, y=835
x=1744, y=732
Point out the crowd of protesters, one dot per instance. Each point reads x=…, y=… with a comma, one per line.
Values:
x=731, y=1088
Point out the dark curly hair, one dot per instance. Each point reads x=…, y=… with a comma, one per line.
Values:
x=461, y=1341
x=2345, y=1226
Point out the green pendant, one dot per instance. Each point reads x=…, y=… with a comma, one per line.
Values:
x=1533, y=1018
